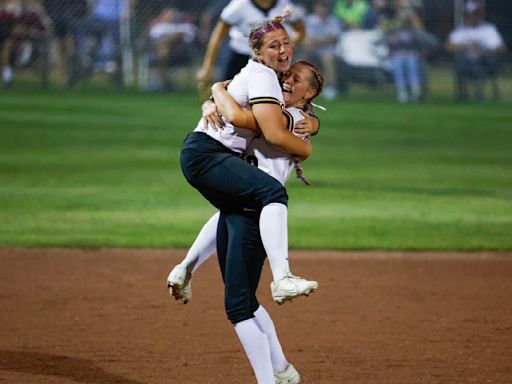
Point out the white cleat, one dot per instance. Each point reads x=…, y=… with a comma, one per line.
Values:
x=290, y=376
x=290, y=287
x=179, y=284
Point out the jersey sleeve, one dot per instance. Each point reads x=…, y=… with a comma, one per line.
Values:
x=456, y=37
x=494, y=39
x=289, y=120
x=264, y=87
x=231, y=13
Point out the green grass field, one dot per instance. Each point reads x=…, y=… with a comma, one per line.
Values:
x=101, y=169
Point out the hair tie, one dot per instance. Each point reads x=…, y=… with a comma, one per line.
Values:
x=287, y=12
x=319, y=106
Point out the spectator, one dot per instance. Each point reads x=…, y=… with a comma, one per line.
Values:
x=208, y=18
x=170, y=39
x=476, y=45
x=22, y=23
x=412, y=7
x=355, y=14
x=322, y=32
x=65, y=17
x=407, y=41
x=236, y=19
x=387, y=11
x=99, y=40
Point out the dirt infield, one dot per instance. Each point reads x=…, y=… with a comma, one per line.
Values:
x=104, y=316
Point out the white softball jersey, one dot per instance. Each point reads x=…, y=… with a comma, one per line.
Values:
x=485, y=35
x=241, y=15
x=256, y=83
x=270, y=158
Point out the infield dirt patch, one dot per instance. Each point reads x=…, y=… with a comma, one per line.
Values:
x=104, y=316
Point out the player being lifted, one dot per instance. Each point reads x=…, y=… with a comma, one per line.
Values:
x=300, y=85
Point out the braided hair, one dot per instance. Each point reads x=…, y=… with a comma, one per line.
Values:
x=316, y=82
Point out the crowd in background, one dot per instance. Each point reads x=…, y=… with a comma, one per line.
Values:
x=373, y=40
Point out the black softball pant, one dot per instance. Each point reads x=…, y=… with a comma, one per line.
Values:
x=226, y=180
x=234, y=64
x=241, y=256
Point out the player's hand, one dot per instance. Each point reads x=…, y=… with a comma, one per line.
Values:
x=211, y=116
x=222, y=84
x=307, y=126
x=204, y=80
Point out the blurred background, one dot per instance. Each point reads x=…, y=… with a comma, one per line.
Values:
x=96, y=98
x=406, y=49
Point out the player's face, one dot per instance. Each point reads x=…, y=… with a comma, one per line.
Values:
x=297, y=86
x=276, y=51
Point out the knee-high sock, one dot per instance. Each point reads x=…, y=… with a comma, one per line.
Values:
x=274, y=235
x=263, y=319
x=204, y=245
x=256, y=348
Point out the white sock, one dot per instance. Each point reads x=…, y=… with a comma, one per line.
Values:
x=263, y=319
x=274, y=235
x=256, y=348
x=204, y=246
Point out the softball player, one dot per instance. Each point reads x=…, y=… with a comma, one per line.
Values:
x=241, y=270
x=211, y=163
x=236, y=19
x=238, y=234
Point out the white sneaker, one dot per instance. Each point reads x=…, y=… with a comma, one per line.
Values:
x=179, y=283
x=290, y=287
x=290, y=376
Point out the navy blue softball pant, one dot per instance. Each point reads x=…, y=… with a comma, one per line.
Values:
x=226, y=180
x=241, y=256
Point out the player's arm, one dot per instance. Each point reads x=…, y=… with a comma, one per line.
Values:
x=219, y=33
x=300, y=32
x=269, y=118
x=230, y=110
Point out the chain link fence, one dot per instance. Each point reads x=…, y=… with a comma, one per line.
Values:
x=159, y=45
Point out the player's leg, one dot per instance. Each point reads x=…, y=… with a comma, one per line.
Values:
x=204, y=246
x=237, y=240
x=254, y=189
x=230, y=183
x=274, y=235
x=284, y=372
x=279, y=362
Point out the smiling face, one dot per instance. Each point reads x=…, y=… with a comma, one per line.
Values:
x=297, y=86
x=276, y=50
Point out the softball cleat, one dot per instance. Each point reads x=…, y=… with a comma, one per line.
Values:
x=289, y=376
x=179, y=284
x=290, y=287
